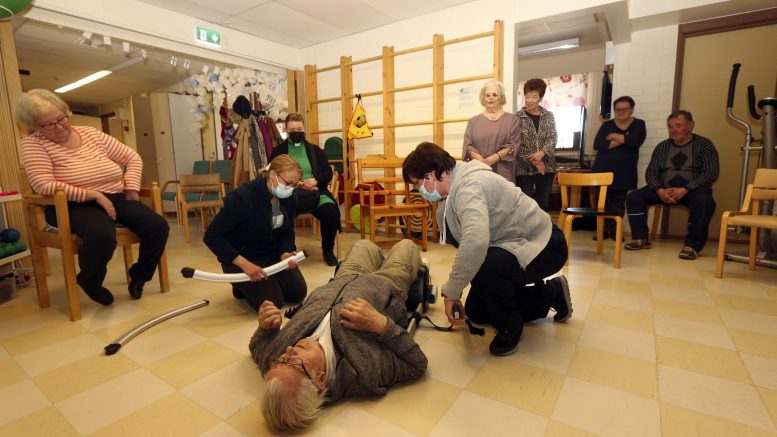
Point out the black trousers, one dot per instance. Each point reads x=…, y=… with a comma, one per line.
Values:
x=97, y=232
x=286, y=286
x=699, y=202
x=328, y=215
x=537, y=186
x=615, y=201
x=498, y=293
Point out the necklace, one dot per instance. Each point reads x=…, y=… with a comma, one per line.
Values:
x=493, y=117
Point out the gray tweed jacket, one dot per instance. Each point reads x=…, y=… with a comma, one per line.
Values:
x=367, y=364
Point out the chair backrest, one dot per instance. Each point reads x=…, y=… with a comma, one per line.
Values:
x=201, y=167
x=393, y=186
x=764, y=187
x=568, y=180
x=223, y=167
x=334, y=151
x=208, y=186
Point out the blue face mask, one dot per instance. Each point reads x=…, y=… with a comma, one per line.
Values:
x=434, y=196
x=282, y=191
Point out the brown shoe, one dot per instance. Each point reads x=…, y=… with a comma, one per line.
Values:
x=688, y=252
x=637, y=245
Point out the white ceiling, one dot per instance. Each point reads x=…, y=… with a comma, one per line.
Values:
x=56, y=56
x=302, y=23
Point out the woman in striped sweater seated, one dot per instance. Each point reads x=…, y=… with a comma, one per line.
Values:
x=101, y=179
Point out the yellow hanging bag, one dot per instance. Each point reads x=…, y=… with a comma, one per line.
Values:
x=359, y=127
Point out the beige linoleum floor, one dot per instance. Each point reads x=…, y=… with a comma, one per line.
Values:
x=659, y=347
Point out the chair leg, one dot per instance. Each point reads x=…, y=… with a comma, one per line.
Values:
x=185, y=221
x=39, y=270
x=127, y=260
x=361, y=223
x=424, y=230
x=373, y=223
x=71, y=286
x=568, y=235
x=337, y=245
x=164, y=280
x=657, y=211
x=44, y=254
x=753, y=247
x=599, y=235
x=722, y=247
x=618, y=244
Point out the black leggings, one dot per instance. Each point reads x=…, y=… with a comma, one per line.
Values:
x=287, y=286
x=498, y=294
x=97, y=232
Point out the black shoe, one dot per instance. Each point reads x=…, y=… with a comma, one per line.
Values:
x=136, y=288
x=100, y=295
x=504, y=343
x=237, y=293
x=563, y=302
x=330, y=258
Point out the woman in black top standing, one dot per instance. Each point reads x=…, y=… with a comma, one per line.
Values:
x=617, y=150
x=255, y=229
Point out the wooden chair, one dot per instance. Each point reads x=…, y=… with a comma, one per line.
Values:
x=763, y=188
x=567, y=181
x=393, y=188
x=333, y=186
x=42, y=236
x=200, y=167
x=661, y=217
x=203, y=186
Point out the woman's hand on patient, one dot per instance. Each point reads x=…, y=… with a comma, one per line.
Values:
x=359, y=315
x=269, y=316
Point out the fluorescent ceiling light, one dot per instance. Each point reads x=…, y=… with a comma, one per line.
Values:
x=556, y=46
x=81, y=82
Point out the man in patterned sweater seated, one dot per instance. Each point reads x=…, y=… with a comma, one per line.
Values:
x=345, y=341
x=681, y=170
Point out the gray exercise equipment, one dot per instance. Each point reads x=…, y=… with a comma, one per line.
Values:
x=767, y=240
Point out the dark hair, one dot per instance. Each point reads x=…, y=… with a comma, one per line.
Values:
x=535, y=85
x=681, y=113
x=425, y=158
x=294, y=116
x=626, y=99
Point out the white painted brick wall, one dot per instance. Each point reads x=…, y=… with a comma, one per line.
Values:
x=644, y=69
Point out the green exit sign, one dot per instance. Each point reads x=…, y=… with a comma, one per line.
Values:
x=208, y=36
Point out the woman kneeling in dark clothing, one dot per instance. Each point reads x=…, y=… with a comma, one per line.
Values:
x=255, y=229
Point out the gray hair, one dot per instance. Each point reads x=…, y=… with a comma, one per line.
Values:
x=502, y=99
x=291, y=405
x=31, y=105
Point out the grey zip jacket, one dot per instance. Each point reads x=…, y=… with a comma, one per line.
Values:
x=484, y=210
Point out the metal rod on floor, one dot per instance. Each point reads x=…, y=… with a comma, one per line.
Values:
x=129, y=335
x=763, y=262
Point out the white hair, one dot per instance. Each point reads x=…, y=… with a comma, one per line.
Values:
x=291, y=404
x=502, y=98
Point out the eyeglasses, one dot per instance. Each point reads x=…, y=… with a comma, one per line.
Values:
x=60, y=121
x=419, y=182
x=285, y=181
x=294, y=363
x=493, y=94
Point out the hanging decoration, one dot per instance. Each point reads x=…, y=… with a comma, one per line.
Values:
x=359, y=127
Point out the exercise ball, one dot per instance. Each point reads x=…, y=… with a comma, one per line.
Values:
x=9, y=8
x=355, y=215
x=10, y=235
x=4, y=251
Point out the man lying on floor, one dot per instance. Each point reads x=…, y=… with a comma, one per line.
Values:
x=345, y=341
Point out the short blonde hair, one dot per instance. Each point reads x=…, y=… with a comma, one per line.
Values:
x=291, y=404
x=282, y=163
x=502, y=99
x=33, y=104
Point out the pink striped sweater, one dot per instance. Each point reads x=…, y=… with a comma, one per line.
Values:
x=92, y=166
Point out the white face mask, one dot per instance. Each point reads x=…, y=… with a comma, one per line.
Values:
x=434, y=196
x=282, y=191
